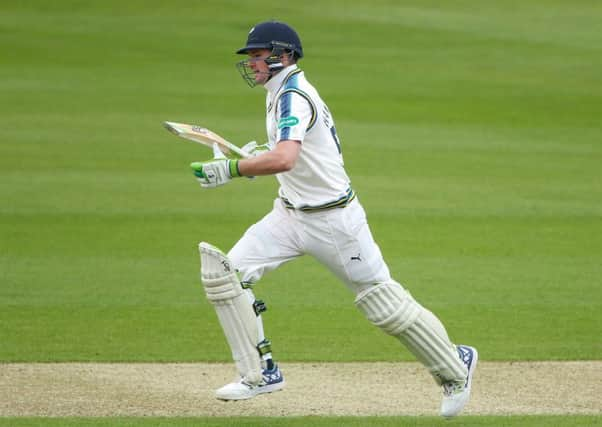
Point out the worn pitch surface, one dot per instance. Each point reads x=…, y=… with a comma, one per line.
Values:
x=358, y=389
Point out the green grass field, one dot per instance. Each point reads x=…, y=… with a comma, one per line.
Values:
x=471, y=131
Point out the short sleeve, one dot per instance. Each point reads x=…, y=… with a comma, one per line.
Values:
x=296, y=114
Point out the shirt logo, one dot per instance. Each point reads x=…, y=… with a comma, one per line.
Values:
x=286, y=122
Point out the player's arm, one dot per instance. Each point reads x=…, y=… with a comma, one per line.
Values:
x=221, y=170
x=295, y=115
x=280, y=159
x=299, y=116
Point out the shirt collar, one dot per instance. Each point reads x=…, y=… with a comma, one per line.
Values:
x=277, y=80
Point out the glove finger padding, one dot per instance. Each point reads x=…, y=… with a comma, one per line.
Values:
x=217, y=153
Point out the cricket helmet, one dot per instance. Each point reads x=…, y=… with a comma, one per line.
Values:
x=276, y=36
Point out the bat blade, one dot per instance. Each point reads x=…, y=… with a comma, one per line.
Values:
x=204, y=136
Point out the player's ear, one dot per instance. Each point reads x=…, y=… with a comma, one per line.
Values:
x=287, y=58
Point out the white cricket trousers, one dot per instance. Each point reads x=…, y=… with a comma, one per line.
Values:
x=339, y=238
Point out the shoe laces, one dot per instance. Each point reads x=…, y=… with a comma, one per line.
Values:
x=465, y=355
x=272, y=375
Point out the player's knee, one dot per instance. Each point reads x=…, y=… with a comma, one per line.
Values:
x=388, y=306
x=248, y=274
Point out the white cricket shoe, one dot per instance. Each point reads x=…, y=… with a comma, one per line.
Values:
x=456, y=394
x=272, y=381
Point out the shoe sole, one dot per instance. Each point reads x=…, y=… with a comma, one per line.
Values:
x=255, y=392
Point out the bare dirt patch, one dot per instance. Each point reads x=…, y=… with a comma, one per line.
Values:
x=96, y=390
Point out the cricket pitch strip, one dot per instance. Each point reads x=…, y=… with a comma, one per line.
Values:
x=350, y=389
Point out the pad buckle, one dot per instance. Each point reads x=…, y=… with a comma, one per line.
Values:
x=259, y=307
x=264, y=347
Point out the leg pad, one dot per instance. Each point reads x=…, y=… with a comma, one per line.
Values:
x=234, y=311
x=392, y=309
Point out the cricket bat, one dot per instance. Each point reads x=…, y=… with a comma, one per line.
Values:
x=206, y=137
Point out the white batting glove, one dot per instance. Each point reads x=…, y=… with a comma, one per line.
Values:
x=254, y=149
x=216, y=172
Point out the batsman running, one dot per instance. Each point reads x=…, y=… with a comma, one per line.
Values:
x=317, y=213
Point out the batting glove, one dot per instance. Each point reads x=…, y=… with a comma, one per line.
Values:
x=254, y=149
x=216, y=172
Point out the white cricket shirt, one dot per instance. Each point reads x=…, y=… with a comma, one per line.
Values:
x=295, y=111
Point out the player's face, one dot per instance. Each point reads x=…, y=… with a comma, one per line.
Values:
x=258, y=65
